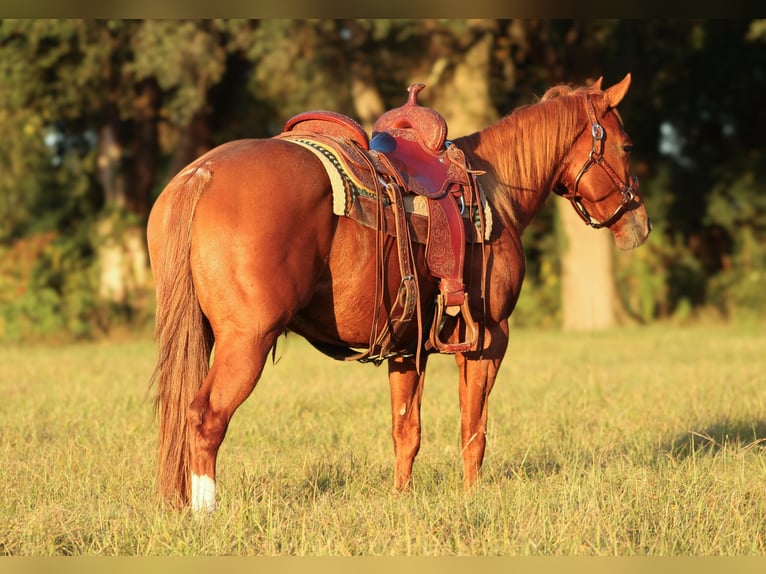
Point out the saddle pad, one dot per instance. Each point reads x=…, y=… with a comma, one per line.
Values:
x=354, y=199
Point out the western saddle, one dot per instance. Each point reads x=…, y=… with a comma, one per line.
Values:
x=407, y=156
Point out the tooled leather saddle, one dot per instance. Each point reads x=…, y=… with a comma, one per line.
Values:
x=409, y=168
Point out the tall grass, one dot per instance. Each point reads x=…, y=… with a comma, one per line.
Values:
x=630, y=442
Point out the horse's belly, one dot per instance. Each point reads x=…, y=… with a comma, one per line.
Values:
x=321, y=323
x=345, y=304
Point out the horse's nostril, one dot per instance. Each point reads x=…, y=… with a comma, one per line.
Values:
x=649, y=224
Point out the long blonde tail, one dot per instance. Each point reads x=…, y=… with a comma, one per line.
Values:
x=183, y=334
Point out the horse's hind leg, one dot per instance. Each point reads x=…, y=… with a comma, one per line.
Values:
x=237, y=365
x=246, y=320
x=406, y=393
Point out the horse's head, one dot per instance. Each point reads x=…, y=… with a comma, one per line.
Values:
x=596, y=177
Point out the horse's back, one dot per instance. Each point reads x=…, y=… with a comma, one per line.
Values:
x=263, y=187
x=246, y=184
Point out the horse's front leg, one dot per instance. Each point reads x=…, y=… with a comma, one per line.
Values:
x=477, y=377
x=406, y=393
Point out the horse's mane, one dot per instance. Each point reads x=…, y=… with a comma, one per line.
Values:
x=521, y=152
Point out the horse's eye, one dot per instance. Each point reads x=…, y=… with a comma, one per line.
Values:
x=627, y=148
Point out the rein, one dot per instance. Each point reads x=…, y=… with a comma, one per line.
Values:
x=628, y=190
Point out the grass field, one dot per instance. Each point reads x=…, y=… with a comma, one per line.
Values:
x=633, y=442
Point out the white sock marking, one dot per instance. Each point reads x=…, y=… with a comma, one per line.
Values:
x=203, y=493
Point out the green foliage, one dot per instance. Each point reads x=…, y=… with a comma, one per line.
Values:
x=164, y=91
x=656, y=278
x=47, y=288
x=187, y=58
x=304, y=56
x=739, y=207
x=49, y=166
x=539, y=304
x=60, y=67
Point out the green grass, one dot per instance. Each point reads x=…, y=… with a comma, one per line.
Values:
x=632, y=442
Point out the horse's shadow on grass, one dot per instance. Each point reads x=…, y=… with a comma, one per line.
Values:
x=712, y=439
x=698, y=441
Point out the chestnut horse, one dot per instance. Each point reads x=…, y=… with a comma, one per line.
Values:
x=244, y=246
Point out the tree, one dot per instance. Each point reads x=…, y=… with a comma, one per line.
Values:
x=91, y=102
x=99, y=114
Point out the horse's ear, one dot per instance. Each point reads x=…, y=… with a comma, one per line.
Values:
x=614, y=95
x=597, y=84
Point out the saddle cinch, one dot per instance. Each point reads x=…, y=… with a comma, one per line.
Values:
x=425, y=189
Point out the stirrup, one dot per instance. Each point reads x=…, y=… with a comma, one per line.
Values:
x=472, y=331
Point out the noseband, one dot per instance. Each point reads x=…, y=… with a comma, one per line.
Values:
x=629, y=191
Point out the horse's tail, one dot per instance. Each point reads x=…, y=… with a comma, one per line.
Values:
x=183, y=333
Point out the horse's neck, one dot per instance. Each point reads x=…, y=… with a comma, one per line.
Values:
x=521, y=166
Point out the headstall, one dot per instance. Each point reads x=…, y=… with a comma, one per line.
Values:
x=628, y=190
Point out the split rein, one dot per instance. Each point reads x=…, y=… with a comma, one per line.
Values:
x=628, y=190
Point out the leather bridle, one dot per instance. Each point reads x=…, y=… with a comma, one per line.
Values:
x=628, y=190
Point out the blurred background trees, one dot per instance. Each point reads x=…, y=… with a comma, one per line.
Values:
x=97, y=115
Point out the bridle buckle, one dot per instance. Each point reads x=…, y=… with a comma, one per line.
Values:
x=597, y=131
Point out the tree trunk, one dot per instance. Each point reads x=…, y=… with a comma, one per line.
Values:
x=589, y=297
x=127, y=180
x=193, y=141
x=464, y=100
x=368, y=104
x=123, y=261
x=109, y=160
x=142, y=165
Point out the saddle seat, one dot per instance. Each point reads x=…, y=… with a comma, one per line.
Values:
x=413, y=137
x=407, y=154
x=427, y=125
